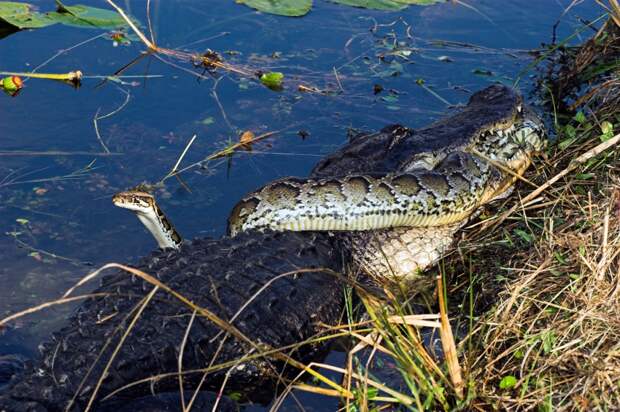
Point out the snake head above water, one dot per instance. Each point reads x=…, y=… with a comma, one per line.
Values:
x=134, y=200
x=145, y=207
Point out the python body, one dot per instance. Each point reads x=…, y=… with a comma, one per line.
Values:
x=444, y=194
x=421, y=204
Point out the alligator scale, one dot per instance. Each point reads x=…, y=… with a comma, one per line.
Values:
x=277, y=287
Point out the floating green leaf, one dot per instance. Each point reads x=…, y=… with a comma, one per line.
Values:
x=273, y=80
x=296, y=8
x=86, y=16
x=292, y=8
x=207, y=121
x=482, y=72
x=420, y=2
x=22, y=16
x=373, y=4
x=390, y=98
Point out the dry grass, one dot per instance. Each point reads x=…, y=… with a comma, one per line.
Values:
x=540, y=274
x=556, y=325
x=551, y=341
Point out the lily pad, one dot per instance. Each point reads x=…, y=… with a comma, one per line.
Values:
x=292, y=8
x=420, y=2
x=373, y=4
x=386, y=4
x=86, y=16
x=296, y=8
x=19, y=16
x=23, y=16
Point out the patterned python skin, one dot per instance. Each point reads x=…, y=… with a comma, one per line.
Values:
x=447, y=193
x=440, y=176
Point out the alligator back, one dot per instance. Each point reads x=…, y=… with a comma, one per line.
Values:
x=219, y=275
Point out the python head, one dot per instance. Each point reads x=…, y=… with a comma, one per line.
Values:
x=145, y=207
x=136, y=201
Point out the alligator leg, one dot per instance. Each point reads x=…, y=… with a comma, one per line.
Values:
x=218, y=275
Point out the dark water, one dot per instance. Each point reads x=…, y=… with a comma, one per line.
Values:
x=59, y=205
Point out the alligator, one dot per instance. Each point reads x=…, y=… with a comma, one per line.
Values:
x=272, y=291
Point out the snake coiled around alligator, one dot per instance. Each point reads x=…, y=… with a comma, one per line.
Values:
x=77, y=368
x=437, y=188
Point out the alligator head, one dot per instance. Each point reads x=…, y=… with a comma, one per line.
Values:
x=495, y=123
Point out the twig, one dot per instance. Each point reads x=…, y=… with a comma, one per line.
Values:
x=141, y=35
x=191, y=57
x=176, y=165
x=219, y=104
x=434, y=93
x=221, y=153
x=176, y=66
x=46, y=305
x=99, y=139
x=224, y=382
x=60, y=52
x=121, y=107
x=46, y=253
x=105, y=116
x=133, y=62
x=148, y=20
x=447, y=342
x=74, y=175
x=338, y=79
x=180, y=361
x=206, y=39
x=73, y=77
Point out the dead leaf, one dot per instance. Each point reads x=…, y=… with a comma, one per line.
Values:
x=246, y=139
